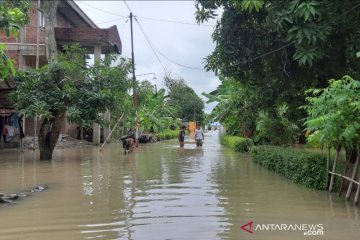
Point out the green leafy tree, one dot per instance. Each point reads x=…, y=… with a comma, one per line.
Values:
x=104, y=86
x=275, y=127
x=237, y=107
x=13, y=15
x=334, y=121
x=153, y=111
x=65, y=85
x=334, y=113
x=187, y=104
x=278, y=49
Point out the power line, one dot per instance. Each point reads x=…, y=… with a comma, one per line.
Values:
x=102, y=10
x=114, y=20
x=265, y=54
x=150, y=18
x=176, y=63
x=151, y=46
x=179, y=22
x=127, y=5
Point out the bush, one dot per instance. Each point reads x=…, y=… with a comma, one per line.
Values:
x=274, y=127
x=166, y=135
x=238, y=144
x=299, y=166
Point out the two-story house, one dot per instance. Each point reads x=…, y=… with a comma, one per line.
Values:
x=28, y=49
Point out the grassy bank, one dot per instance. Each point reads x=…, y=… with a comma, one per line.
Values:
x=166, y=135
x=237, y=144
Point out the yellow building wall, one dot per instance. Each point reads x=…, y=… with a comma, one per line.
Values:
x=192, y=127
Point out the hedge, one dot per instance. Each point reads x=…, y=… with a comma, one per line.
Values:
x=237, y=144
x=166, y=135
x=299, y=166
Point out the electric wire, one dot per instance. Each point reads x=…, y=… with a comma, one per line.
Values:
x=153, y=47
x=102, y=10
x=149, y=18
x=150, y=44
x=173, y=21
x=114, y=20
x=127, y=5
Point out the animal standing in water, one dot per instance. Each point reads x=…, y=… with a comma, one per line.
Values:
x=128, y=143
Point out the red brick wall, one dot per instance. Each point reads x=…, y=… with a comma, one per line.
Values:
x=4, y=38
x=29, y=35
x=31, y=28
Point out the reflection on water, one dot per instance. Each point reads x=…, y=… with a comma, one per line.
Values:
x=161, y=192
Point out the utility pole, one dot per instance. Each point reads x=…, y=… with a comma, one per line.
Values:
x=134, y=81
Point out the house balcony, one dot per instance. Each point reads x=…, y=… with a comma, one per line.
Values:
x=108, y=39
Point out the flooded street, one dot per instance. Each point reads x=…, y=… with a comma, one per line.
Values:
x=161, y=192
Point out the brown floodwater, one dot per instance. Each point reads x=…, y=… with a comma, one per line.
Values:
x=162, y=192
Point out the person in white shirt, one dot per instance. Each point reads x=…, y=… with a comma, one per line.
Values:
x=199, y=136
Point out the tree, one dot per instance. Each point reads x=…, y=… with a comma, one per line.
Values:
x=104, y=86
x=334, y=113
x=334, y=121
x=65, y=85
x=237, y=107
x=278, y=49
x=13, y=15
x=153, y=111
x=187, y=104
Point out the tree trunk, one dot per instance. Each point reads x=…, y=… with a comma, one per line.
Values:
x=49, y=9
x=49, y=134
x=50, y=128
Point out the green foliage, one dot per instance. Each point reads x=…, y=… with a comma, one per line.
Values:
x=103, y=87
x=13, y=15
x=275, y=50
x=301, y=167
x=42, y=91
x=310, y=24
x=251, y=5
x=152, y=108
x=183, y=99
x=334, y=113
x=275, y=127
x=237, y=107
x=237, y=144
x=6, y=65
x=65, y=83
x=167, y=135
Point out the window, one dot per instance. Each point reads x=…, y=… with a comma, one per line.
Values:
x=41, y=19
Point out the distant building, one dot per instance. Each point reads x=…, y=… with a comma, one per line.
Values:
x=72, y=26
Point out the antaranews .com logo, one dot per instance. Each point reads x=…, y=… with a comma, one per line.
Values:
x=305, y=228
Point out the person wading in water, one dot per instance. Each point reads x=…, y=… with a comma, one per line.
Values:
x=182, y=136
x=199, y=136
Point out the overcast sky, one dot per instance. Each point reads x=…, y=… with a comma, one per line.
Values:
x=185, y=44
